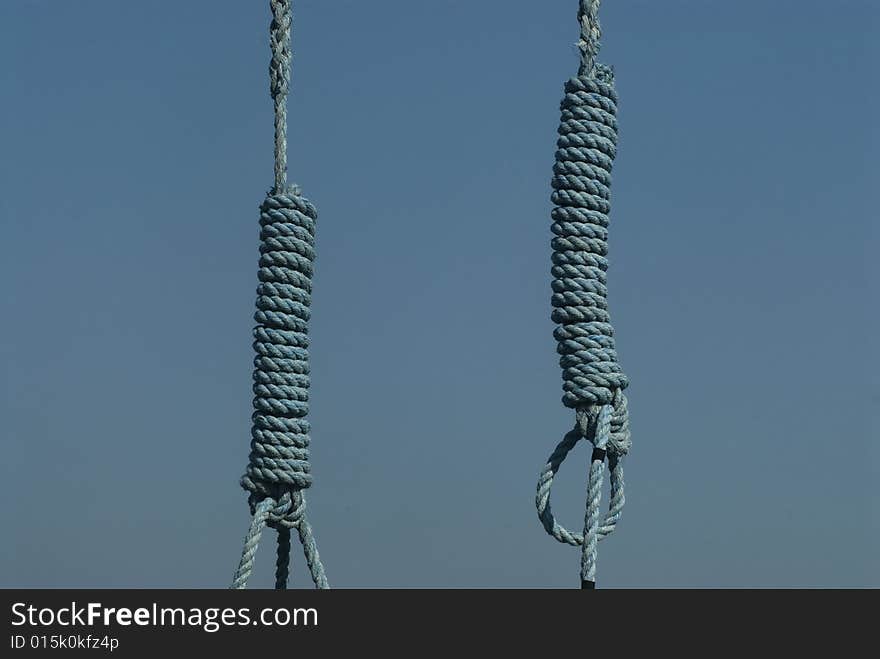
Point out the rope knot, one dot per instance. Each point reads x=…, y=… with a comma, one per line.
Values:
x=581, y=183
x=287, y=509
x=279, y=455
x=613, y=435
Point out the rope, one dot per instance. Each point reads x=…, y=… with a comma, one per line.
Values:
x=279, y=83
x=278, y=469
x=591, y=34
x=593, y=381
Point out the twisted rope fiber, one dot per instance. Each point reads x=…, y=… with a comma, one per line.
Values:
x=593, y=381
x=279, y=82
x=278, y=469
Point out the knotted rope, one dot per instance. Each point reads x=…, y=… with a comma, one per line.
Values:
x=593, y=381
x=278, y=470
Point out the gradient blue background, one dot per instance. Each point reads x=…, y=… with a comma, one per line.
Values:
x=136, y=147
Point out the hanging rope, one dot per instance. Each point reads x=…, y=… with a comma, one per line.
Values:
x=593, y=381
x=278, y=470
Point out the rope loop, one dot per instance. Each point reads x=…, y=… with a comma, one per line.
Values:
x=586, y=427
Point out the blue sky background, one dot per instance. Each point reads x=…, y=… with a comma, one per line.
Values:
x=136, y=143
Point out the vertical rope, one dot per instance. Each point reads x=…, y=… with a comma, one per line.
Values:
x=313, y=561
x=282, y=561
x=251, y=543
x=279, y=83
x=278, y=470
x=594, y=496
x=591, y=35
x=593, y=381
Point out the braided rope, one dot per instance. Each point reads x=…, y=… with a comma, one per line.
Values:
x=279, y=82
x=278, y=468
x=593, y=381
x=591, y=34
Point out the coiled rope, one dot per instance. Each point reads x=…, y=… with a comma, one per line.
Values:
x=593, y=381
x=278, y=470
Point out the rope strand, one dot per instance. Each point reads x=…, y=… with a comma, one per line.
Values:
x=282, y=562
x=279, y=83
x=591, y=34
x=251, y=543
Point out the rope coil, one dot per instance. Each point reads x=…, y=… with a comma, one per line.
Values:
x=593, y=381
x=278, y=469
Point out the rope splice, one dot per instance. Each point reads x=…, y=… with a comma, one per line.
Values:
x=593, y=382
x=278, y=470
